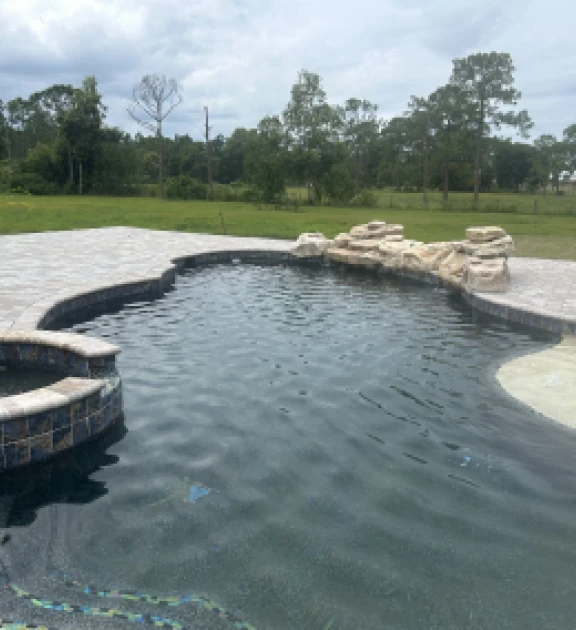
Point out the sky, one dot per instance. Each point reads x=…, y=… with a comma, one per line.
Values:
x=241, y=57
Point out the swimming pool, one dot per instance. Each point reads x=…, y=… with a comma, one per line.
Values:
x=307, y=448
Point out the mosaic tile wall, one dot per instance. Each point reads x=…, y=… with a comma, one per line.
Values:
x=38, y=436
x=55, y=359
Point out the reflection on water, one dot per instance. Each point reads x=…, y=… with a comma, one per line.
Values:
x=308, y=450
x=64, y=479
x=19, y=380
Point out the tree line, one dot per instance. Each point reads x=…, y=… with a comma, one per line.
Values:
x=56, y=141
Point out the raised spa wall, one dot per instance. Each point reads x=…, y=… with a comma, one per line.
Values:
x=44, y=422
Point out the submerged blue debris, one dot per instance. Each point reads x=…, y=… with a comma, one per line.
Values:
x=197, y=492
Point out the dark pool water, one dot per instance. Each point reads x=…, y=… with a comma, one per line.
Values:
x=17, y=381
x=310, y=449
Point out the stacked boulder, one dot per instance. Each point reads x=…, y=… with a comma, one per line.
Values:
x=486, y=266
x=310, y=245
x=477, y=264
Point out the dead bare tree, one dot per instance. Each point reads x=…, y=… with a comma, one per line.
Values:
x=156, y=96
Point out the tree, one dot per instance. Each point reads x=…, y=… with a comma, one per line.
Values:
x=394, y=169
x=80, y=128
x=569, y=139
x=236, y=147
x=422, y=113
x=311, y=123
x=555, y=157
x=487, y=82
x=265, y=162
x=513, y=163
x=361, y=127
x=451, y=129
x=3, y=131
x=156, y=97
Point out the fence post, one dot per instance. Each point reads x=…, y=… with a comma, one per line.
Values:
x=535, y=205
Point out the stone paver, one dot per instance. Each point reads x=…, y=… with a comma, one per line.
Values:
x=544, y=287
x=37, y=270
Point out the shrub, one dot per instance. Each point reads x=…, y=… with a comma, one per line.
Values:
x=32, y=183
x=184, y=187
x=338, y=184
x=365, y=199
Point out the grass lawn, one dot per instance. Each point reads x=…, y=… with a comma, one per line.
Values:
x=536, y=234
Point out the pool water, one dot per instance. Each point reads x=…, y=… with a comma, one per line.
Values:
x=307, y=449
x=19, y=380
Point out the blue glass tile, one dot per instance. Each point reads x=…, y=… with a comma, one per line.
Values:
x=80, y=432
x=41, y=447
x=61, y=417
x=62, y=439
x=17, y=454
x=15, y=430
x=40, y=423
x=96, y=423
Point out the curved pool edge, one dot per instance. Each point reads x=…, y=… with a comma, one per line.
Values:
x=152, y=275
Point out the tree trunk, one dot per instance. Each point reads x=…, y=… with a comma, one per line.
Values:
x=446, y=179
x=79, y=177
x=208, y=155
x=160, y=160
x=478, y=157
x=70, y=166
x=426, y=174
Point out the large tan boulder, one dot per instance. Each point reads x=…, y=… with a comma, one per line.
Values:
x=493, y=249
x=486, y=275
x=392, y=252
x=337, y=254
x=375, y=230
x=369, y=260
x=341, y=241
x=426, y=257
x=364, y=245
x=484, y=233
x=451, y=269
x=310, y=244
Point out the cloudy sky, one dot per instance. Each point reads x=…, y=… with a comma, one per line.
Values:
x=240, y=57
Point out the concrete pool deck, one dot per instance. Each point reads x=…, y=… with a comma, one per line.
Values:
x=41, y=270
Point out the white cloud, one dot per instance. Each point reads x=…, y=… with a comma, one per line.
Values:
x=241, y=57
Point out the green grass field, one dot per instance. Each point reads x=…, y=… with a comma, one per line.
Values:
x=536, y=234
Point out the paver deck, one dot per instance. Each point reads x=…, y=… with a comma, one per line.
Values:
x=542, y=287
x=37, y=270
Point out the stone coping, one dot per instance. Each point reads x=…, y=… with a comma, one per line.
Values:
x=59, y=394
x=88, y=347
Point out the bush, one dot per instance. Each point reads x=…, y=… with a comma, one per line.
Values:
x=365, y=199
x=337, y=184
x=32, y=183
x=184, y=187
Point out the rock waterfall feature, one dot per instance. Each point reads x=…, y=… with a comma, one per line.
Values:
x=477, y=264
